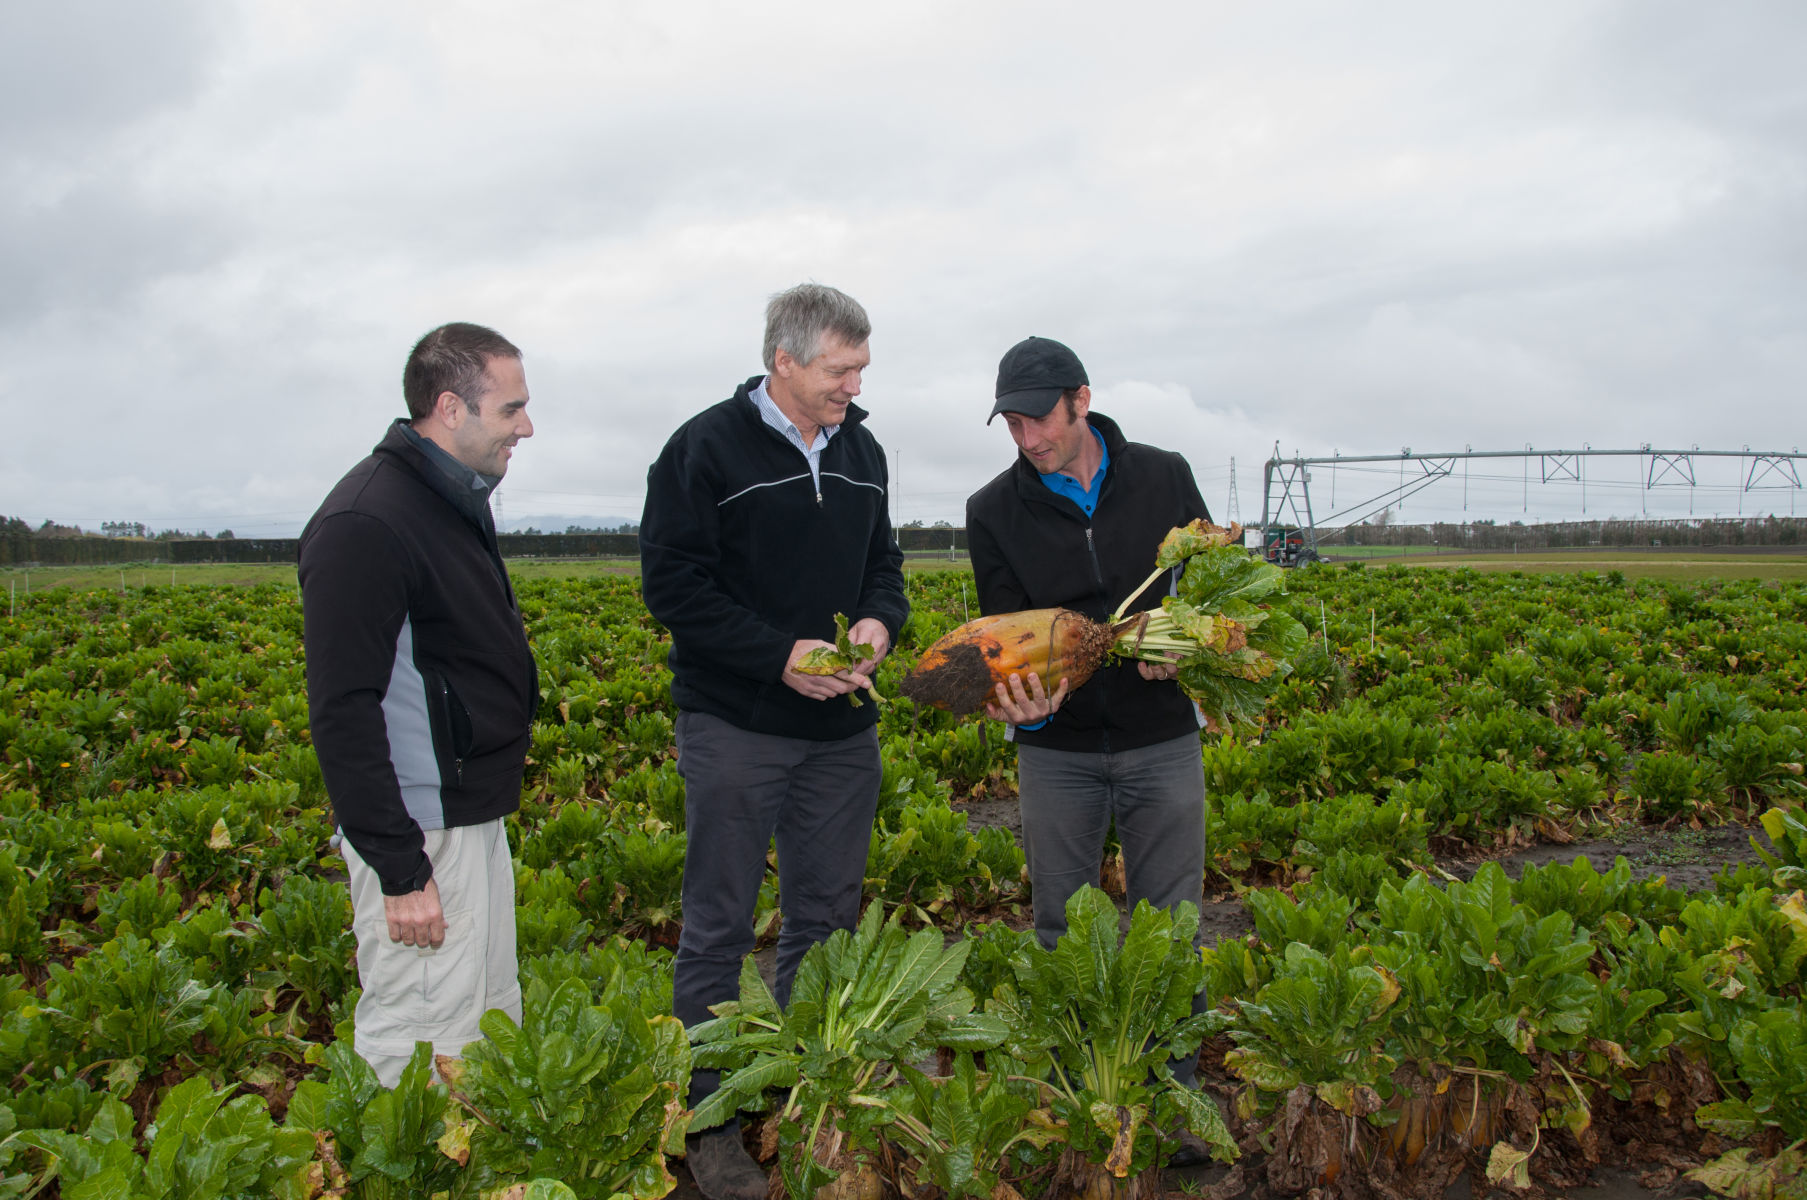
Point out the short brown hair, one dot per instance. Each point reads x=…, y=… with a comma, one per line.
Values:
x=453, y=358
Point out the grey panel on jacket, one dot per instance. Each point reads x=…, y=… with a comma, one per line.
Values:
x=411, y=735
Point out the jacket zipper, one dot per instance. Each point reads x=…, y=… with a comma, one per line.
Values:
x=815, y=474
x=445, y=696
x=1104, y=730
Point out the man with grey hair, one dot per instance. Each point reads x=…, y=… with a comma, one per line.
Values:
x=766, y=515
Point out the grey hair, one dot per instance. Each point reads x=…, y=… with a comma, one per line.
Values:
x=796, y=320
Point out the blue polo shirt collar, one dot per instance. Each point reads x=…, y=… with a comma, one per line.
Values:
x=1066, y=485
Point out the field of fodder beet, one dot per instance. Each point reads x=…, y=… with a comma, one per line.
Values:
x=179, y=974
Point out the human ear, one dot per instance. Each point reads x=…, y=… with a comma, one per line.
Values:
x=449, y=408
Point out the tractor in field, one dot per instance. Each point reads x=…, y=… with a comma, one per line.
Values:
x=1286, y=546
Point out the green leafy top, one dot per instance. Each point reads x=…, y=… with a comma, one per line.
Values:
x=846, y=655
x=864, y=1003
x=959, y=1127
x=202, y=1145
x=873, y=995
x=1107, y=1018
x=1318, y=1023
x=1770, y=1049
x=379, y=1133
x=1098, y=1005
x=585, y=1092
x=1232, y=643
x=1187, y=540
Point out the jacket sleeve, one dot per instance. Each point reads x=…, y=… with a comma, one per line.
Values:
x=354, y=598
x=998, y=588
x=882, y=592
x=680, y=556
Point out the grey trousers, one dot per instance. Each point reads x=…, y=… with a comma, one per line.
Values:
x=741, y=790
x=1156, y=794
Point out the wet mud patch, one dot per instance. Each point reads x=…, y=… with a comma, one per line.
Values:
x=1685, y=859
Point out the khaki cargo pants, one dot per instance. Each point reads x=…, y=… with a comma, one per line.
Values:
x=437, y=995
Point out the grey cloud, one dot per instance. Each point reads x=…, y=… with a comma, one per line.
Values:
x=1429, y=224
x=85, y=91
x=74, y=76
x=1736, y=66
x=96, y=245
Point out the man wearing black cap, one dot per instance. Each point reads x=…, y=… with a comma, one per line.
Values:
x=1074, y=523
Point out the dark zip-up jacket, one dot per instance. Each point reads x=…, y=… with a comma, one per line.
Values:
x=1032, y=548
x=421, y=688
x=741, y=556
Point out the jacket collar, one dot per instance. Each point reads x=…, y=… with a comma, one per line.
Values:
x=1029, y=483
x=744, y=393
x=458, y=485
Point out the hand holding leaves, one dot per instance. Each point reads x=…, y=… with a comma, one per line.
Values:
x=846, y=656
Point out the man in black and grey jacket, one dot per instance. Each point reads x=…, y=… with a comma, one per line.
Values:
x=421, y=692
x=765, y=516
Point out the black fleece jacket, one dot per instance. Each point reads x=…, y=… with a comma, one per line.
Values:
x=421, y=688
x=1032, y=548
x=741, y=556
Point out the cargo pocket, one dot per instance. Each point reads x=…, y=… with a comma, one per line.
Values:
x=451, y=982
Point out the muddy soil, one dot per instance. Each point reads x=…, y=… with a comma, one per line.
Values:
x=1609, y=1183
x=1211, y=1180
x=1684, y=858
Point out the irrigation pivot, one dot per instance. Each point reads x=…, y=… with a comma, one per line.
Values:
x=1290, y=531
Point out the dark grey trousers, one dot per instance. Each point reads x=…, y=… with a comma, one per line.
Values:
x=1156, y=794
x=741, y=790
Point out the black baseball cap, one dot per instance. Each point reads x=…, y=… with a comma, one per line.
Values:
x=1032, y=375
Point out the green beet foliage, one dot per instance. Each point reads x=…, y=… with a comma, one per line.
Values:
x=170, y=909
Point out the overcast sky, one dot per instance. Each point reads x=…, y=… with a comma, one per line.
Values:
x=1337, y=227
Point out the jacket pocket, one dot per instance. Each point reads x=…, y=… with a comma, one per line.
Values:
x=452, y=734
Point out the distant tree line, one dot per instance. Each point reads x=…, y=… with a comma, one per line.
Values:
x=10, y=526
x=624, y=527
x=530, y=544
x=52, y=544
x=1489, y=535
